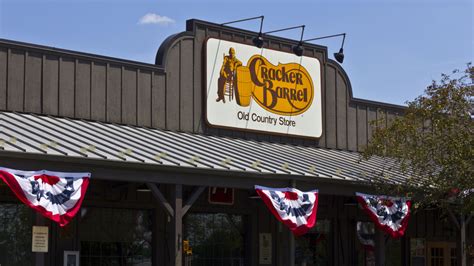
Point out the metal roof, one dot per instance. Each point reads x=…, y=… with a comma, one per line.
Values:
x=47, y=135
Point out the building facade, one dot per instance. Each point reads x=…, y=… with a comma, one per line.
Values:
x=168, y=186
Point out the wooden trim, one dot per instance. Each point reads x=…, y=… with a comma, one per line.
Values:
x=161, y=198
x=139, y=172
x=78, y=55
x=196, y=193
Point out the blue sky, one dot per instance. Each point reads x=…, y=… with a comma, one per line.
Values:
x=394, y=48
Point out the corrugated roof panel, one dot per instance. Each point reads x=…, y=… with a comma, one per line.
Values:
x=97, y=140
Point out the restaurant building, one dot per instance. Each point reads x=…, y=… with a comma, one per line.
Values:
x=175, y=149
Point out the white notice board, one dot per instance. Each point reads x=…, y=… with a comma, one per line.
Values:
x=265, y=248
x=40, y=238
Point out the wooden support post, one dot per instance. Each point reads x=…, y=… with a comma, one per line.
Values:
x=177, y=226
x=292, y=246
x=176, y=211
x=379, y=247
x=160, y=246
x=463, y=222
x=462, y=240
x=39, y=256
x=461, y=225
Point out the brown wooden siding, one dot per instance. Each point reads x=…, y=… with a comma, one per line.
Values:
x=98, y=91
x=158, y=101
x=15, y=80
x=143, y=98
x=3, y=77
x=50, y=85
x=33, y=67
x=44, y=81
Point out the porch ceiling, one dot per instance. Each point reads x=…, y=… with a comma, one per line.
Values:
x=47, y=135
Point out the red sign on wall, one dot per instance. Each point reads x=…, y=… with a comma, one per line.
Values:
x=223, y=196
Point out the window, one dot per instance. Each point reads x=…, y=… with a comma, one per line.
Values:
x=393, y=252
x=215, y=239
x=365, y=243
x=15, y=234
x=115, y=236
x=312, y=248
x=441, y=253
x=417, y=250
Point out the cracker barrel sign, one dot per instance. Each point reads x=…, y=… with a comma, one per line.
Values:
x=262, y=90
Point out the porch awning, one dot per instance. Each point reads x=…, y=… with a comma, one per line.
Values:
x=47, y=135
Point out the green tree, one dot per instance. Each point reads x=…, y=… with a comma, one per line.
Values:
x=433, y=144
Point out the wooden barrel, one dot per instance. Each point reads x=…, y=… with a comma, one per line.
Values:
x=243, y=92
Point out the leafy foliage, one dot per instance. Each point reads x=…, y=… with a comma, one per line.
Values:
x=433, y=142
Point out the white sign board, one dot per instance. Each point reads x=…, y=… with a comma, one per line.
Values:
x=262, y=90
x=40, y=239
x=265, y=245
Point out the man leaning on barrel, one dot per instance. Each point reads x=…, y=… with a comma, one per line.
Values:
x=227, y=73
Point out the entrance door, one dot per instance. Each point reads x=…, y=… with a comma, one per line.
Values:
x=111, y=236
x=215, y=239
x=441, y=254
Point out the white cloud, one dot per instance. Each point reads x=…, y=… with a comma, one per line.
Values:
x=152, y=18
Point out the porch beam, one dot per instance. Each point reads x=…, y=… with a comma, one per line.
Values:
x=292, y=248
x=468, y=219
x=177, y=226
x=143, y=173
x=189, y=203
x=40, y=256
x=454, y=219
x=160, y=198
x=463, y=240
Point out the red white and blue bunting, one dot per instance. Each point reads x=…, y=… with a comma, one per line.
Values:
x=57, y=196
x=294, y=208
x=390, y=214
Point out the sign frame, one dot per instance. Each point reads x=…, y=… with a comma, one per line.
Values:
x=205, y=94
x=210, y=192
x=40, y=239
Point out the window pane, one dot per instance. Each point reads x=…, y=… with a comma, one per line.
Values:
x=15, y=235
x=215, y=238
x=393, y=252
x=115, y=236
x=313, y=247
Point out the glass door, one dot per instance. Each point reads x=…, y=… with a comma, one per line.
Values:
x=215, y=239
x=111, y=236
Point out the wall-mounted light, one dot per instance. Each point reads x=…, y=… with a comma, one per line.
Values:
x=298, y=49
x=339, y=56
x=257, y=40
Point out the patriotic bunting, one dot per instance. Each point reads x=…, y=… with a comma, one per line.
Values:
x=390, y=214
x=57, y=196
x=294, y=208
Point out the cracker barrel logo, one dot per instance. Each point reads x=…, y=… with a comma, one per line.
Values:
x=283, y=89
